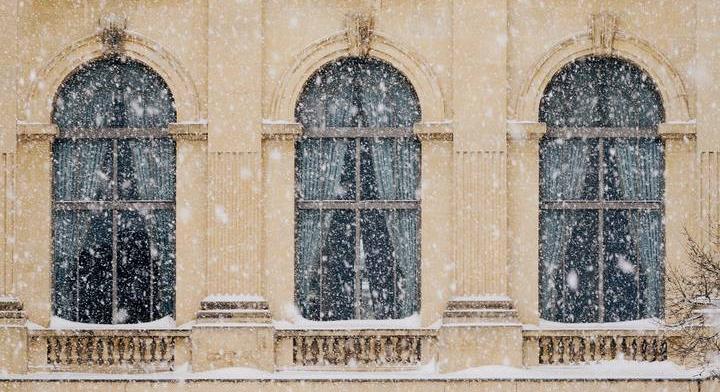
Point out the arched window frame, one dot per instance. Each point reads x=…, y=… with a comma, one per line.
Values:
x=117, y=204
x=601, y=204
x=358, y=204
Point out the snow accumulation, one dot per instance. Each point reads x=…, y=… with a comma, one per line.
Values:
x=607, y=370
x=233, y=298
x=642, y=325
x=298, y=322
x=60, y=323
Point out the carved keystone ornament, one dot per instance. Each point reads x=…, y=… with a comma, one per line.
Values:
x=603, y=27
x=359, y=31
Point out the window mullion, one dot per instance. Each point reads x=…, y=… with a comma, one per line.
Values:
x=358, y=236
x=114, y=213
x=601, y=232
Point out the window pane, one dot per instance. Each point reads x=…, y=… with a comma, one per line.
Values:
x=601, y=92
x=634, y=169
x=358, y=92
x=91, y=240
x=325, y=274
x=568, y=169
x=146, y=169
x=82, y=245
x=145, y=265
x=633, y=259
x=389, y=253
x=568, y=267
x=114, y=93
x=390, y=168
x=326, y=169
x=82, y=170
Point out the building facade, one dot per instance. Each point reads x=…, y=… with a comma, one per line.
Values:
x=371, y=193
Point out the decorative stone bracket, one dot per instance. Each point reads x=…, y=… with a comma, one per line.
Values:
x=359, y=32
x=603, y=28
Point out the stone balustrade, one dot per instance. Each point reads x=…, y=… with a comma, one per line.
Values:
x=565, y=347
x=355, y=349
x=108, y=351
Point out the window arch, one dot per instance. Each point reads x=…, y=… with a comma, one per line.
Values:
x=601, y=194
x=113, y=195
x=357, y=203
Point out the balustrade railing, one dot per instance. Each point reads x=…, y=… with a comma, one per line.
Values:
x=583, y=346
x=107, y=350
x=367, y=349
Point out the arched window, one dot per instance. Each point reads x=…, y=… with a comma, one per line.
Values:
x=113, y=195
x=357, y=175
x=601, y=194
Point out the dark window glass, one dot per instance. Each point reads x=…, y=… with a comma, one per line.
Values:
x=354, y=259
x=601, y=194
x=114, y=93
x=601, y=92
x=114, y=219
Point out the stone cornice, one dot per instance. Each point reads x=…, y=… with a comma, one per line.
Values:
x=188, y=131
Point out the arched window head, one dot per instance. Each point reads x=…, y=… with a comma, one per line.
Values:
x=601, y=194
x=357, y=176
x=601, y=92
x=358, y=92
x=116, y=92
x=113, y=195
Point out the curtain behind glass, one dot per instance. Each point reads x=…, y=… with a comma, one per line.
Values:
x=83, y=170
x=320, y=169
x=146, y=169
x=81, y=173
x=646, y=228
x=564, y=168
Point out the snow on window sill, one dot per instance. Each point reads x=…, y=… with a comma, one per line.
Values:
x=642, y=324
x=300, y=323
x=57, y=323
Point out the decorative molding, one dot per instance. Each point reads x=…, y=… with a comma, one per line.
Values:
x=525, y=130
x=677, y=130
x=188, y=131
x=623, y=45
x=442, y=131
x=281, y=131
x=113, y=33
x=36, y=131
x=37, y=105
x=322, y=51
x=359, y=32
x=603, y=27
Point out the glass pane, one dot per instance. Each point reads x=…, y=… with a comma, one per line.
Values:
x=325, y=169
x=621, y=277
x=146, y=265
x=325, y=266
x=114, y=92
x=633, y=264
x=389, y=256
x=82, y=170
x=377, y=266
x=390, y=168
x=81, y=240
x=568, y=266
x=358, y=92
x=146, y=169
x=601, y=92
x=568, y=169
x=634, y=169
x=134, y=269
x=91, y=240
